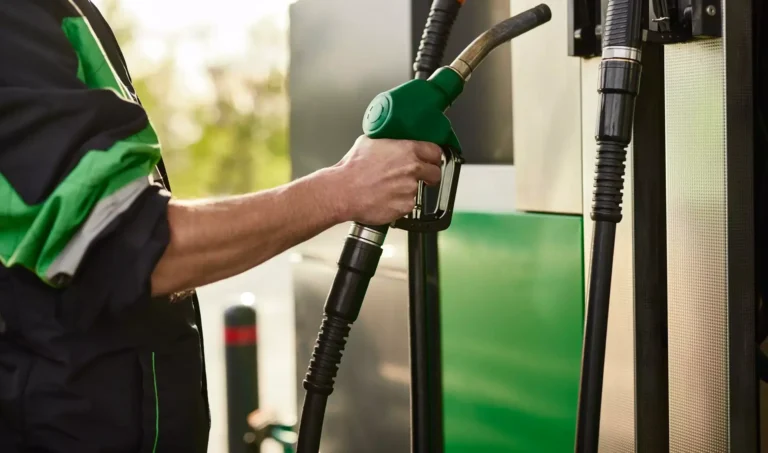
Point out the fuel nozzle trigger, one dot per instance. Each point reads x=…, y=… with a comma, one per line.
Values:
x=415, y=110
x=440, y=218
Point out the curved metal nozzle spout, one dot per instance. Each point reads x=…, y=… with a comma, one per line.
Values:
x=500, y=33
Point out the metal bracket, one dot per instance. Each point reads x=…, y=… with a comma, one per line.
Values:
x=707, y=19
x=584, y=28
x=665, y=22
x=676, y=21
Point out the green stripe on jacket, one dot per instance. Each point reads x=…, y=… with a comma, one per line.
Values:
x=51, y=238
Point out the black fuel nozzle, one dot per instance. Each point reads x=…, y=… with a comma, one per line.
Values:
x=357, y=265
x=619, y=84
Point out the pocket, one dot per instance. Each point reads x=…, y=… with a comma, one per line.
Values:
x=150, y=418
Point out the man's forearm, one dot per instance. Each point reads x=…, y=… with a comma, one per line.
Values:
x=213, y=240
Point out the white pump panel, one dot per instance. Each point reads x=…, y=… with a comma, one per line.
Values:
x=546, y=115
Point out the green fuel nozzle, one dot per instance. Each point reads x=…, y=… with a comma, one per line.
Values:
x=416, y=110
x=412, y=111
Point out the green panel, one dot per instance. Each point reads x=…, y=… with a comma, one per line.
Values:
x=512, y=320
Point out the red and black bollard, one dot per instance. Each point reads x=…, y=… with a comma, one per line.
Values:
x=240, y=340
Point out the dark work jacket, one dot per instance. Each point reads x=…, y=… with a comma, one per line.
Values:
x=89, y=362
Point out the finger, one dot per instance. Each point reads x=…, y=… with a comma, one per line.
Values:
x=429, y=153
x=430, y=174
x=406, y=207
x=413, y=188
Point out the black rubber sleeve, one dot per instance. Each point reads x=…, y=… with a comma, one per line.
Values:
x=319, y=381
x=327, y=355
x=618, y=87
x=442, y=15
x=357, y=265
x=622, y=24
x=609, y=182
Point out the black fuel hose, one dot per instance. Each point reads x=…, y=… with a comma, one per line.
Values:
x=357, y=265
x=434, y=40
x=424, y=293
x=618, y=87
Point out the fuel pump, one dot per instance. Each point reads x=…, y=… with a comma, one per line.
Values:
x=414, y=111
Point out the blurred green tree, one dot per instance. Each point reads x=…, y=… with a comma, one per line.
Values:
x=234, y=142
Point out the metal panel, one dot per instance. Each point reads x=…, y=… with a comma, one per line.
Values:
x=742, y=301
x=710, y=241
x=370, y=409
x=333, y=75
x=512, y=315
x=546, y=107
x=617, y=423
x=486, y=188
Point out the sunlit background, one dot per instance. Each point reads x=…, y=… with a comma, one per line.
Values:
x=212, y=77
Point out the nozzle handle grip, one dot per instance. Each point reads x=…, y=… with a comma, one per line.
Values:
x=439, y=219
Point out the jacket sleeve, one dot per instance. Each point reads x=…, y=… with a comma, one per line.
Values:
x=76, y=157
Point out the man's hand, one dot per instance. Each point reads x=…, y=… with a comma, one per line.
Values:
x=380, y=178
x=374, y=184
